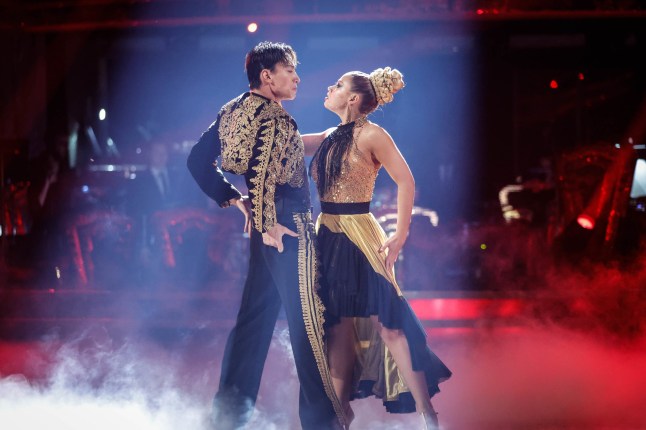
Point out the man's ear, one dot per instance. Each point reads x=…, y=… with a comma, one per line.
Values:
x=265, y=76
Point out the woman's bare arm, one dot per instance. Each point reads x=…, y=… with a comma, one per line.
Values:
x=313, y=140
x=384, y=150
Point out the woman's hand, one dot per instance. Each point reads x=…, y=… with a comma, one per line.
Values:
x=394, y=245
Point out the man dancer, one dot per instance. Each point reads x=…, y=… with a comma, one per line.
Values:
x=257, y=138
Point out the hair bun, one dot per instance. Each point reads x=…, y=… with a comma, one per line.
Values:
x=386, y=82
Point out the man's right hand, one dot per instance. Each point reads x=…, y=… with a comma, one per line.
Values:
x=244, y=205
x=274, y=236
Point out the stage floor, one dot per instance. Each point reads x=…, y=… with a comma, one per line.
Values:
x=103, y=360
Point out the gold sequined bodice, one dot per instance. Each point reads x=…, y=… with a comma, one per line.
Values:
x=356, y=182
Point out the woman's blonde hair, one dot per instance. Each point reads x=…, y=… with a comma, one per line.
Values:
x=386, y=82
x=376, y=88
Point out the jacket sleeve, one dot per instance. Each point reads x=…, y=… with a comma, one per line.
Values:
x=262, y=175
x=202, y=163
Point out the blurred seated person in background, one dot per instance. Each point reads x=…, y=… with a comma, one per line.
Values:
x=51, y=181
x=161, y=186
x=153, y=189
x=156, y=194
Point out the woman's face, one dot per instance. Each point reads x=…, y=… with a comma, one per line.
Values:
x=338, y=95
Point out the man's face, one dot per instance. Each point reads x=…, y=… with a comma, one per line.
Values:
x=284, y=82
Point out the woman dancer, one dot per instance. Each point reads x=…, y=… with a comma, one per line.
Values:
x=376, y=344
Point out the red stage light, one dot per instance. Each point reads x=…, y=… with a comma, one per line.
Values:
x=585, y=221
x=433, y=309
x=581, y=76
x=554, y=85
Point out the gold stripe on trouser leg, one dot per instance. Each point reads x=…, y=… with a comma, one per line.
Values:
x=366, y=233
x=313, y=307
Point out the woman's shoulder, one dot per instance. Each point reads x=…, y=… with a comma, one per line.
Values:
x=374, y=132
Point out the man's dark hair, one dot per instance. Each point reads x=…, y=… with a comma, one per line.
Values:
x=266, y=55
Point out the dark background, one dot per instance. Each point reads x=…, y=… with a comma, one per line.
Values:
x=478, y=93
x=492, y=88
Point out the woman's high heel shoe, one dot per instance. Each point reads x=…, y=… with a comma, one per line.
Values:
x=430, y=420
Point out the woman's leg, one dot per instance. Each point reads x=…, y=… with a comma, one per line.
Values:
x=341, y=358
x=397, y=344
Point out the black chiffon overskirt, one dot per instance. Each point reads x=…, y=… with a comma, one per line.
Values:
x=350, y=287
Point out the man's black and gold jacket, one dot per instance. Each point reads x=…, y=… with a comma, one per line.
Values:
x=254, y=137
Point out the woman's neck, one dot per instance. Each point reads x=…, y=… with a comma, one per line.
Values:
x=358, y=119
x=350, y=118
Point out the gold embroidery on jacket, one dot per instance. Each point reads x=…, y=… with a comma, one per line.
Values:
x=290, y=155
x=237, y=130
x=280, y=152
x=264, y=183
